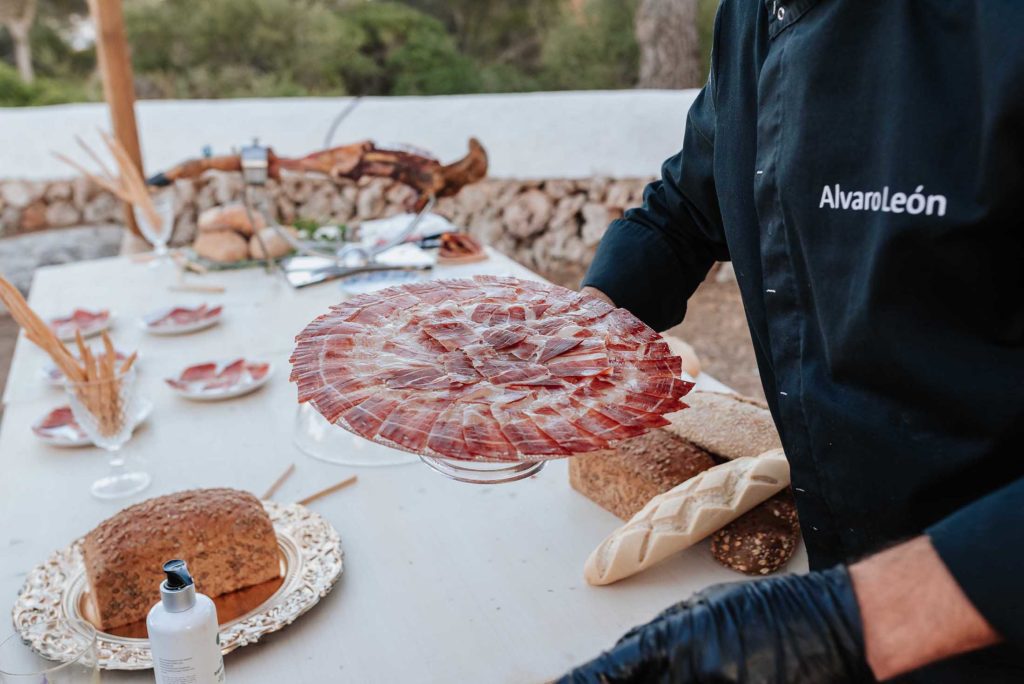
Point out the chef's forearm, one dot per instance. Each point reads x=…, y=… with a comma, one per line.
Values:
x=913, y=611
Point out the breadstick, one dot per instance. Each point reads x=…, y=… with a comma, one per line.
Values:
x=107, y=173
x=684, y=515
x=128, y=362
x=108, y=185
x=36, y=330
x=132, y=180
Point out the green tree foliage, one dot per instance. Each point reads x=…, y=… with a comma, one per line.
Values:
x=268, y=48
x=406, y=52
x=234, y=48
x=43, y=91
x=590, y=50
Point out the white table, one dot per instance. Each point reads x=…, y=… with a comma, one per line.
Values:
x=443, y=582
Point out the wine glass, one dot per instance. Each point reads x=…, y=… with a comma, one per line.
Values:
x=19, y=664
x=106, y=411
x=158, y=236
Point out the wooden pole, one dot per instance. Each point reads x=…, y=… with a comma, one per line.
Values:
x=118, y=87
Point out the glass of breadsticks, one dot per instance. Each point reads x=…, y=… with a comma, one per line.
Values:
x=100, y=389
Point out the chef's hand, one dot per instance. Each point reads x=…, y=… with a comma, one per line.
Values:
x=793, y=629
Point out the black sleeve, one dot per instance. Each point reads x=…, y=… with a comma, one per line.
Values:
x=651, y=260
x=983, y=547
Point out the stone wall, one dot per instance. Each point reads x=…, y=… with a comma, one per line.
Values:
x=552, y=226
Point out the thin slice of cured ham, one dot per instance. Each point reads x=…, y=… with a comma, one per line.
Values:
x=503, y=338
x=483, y=436
x=366, y=417
x=445, y=438
x=524, y=434
x=452, y=334
x=489, y=369
x=567, y=434
x=409, y=425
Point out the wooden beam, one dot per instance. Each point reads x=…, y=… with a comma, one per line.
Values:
x=118, y=84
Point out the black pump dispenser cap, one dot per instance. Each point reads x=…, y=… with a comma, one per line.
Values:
x=177, y=575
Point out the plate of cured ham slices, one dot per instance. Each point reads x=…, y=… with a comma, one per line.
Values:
x=80, y=320
x=178, y=320
x=60, y=429
x=488, y=370
x=216, y=380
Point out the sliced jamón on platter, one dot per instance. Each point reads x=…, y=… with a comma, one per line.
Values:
x=487, y=369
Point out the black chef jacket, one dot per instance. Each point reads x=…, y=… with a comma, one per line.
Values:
x=862, y=166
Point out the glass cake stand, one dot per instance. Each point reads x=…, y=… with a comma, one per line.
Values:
x=483, y=472
x=321, y=440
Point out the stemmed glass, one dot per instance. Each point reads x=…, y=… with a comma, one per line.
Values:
x=106, y=410
x=19, y=664
x=158, y=236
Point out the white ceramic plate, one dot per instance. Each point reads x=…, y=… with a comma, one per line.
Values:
x=88, y=322
x=58, y=427
x=178, y=320
x=216, y=380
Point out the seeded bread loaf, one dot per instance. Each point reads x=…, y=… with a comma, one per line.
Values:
x=623, y=479
x=727, y=425
x=224, y=534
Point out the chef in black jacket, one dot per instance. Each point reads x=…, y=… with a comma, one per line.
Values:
x=862, y=166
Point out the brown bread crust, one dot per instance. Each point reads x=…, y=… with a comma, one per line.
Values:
x=727, y=425
x=225, y=536
x=623, y=480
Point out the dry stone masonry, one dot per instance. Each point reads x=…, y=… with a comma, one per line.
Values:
x=551, y=226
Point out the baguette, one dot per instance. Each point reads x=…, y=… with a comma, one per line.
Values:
x=727, y=425
x=687, y=513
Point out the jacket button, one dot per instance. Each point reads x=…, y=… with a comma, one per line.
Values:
x=780, y=13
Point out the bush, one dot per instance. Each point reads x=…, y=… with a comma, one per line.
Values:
x=592, y=51
x=13, y=91
x=407, y=52
x=44, y=91
x=183, y=48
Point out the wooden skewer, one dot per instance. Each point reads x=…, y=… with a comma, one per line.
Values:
x=330, y=490
x=278, y=482
x=190, y=287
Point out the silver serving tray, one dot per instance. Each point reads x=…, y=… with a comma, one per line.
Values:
x=311, y=563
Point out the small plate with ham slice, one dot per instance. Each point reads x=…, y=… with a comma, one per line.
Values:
x=217, y=380
x=87, y=322
x=54, y=376
x=60, y=429
x=177, y=320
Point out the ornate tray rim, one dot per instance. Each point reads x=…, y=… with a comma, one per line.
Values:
x=313, y=559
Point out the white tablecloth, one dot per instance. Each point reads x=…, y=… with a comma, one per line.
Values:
x=443, y=582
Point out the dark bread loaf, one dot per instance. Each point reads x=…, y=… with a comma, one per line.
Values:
x=225, y=535
x=624, y=479
x=762, y=540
